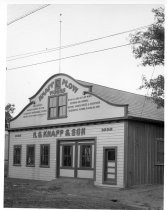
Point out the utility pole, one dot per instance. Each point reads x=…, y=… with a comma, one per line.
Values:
x=60, y=46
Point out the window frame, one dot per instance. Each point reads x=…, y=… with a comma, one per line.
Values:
x=42, y=165
x=156, y=151
x=67, y=167
x=57, y=107
x=80, y=164
x=15, y=146
x=30, y=165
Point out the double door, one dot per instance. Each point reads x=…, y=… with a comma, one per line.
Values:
x=76, y=158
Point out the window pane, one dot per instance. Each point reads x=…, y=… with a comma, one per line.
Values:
x=62, y=100
x=86, y=156
x=45, y=155
x=17, y=155
x=160, y=157
x=53, y=102
x=62, y=111
x=111, y=155
x=53, y=113
x=160, y=151
x=67, y=156
x=160, y=146
x=30, y=155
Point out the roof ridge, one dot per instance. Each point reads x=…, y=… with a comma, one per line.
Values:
x=114, y=88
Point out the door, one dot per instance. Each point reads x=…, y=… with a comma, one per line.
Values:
x=75, y=158
x=110, y=165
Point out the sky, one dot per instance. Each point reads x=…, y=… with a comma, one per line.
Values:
x=116, y=68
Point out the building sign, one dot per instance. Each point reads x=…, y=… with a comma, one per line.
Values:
x=58, y=89
x=83, y=103
x=36, y=110
x=59, y=133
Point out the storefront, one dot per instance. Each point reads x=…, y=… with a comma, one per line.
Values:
x=70, y=130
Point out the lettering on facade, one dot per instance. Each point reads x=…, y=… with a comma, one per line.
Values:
x=36, y=110
x=18, y=135
x=83, y=103
x=47, y=89
x=57, y=84
x=106, y=129
x=59, y=133
x=69, y=85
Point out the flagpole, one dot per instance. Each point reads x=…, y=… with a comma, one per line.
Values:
x=60, y=46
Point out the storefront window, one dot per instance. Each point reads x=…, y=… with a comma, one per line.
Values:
x=30, y=155
x=67, y=156
x=86, y=156
x=17, y=155
x=57, y=106
x=44, y=156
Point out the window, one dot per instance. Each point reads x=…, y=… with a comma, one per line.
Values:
x=111, y=155
x=30, y=155
x=67, y=156
x=159, y=152
x=17, y=155
x=44, y=156
x=57, y=106
x=86, y=156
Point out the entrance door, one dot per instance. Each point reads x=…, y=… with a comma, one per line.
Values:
x=110, y=165
x=67, y=162
x=75, y=158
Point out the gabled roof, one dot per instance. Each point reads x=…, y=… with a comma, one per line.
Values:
x=139, y=105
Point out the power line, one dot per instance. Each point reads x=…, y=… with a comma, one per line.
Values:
x=72, y=45
x=77, y=55
x=27, y=14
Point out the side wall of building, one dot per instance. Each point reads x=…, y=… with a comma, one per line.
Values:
x=140, y=158
x=104, y=138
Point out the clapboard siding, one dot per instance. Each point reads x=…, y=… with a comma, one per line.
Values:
x=103, y=139
x=141, y=168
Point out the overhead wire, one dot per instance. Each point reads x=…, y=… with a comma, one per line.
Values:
x=77, y=55
x=25, y=55
x=27, y=14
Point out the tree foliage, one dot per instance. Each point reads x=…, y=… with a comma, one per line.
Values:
x=9, y=110
x=148, y=46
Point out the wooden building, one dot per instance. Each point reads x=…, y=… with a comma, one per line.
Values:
x=77, y=129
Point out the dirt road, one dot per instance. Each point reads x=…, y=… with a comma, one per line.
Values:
x=79, y=194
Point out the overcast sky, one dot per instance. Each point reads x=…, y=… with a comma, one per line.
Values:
x=115, y=68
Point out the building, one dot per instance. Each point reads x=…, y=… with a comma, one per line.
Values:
x=77, y=129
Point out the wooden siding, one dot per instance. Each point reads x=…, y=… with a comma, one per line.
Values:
x=110, y=138
x=140, y=157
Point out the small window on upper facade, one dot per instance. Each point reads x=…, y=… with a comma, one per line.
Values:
x=30, y=155
x=17, y=155
x=159, y=152
x=57, y=106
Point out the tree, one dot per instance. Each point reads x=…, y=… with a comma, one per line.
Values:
x=9, y=110
x=148, y=45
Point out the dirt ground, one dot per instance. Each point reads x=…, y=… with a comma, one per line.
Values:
x=79, y=194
